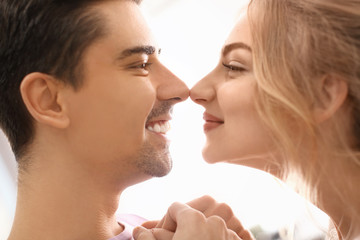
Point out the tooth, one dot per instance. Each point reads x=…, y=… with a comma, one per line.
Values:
x=157, y=128
x=163, y=128
x=168, y=126
x=150, y=128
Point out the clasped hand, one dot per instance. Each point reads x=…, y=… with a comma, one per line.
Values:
x=202, y=218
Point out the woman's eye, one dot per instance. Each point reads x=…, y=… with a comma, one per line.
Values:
x=234, y=66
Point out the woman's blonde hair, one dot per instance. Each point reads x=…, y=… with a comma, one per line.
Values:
x=296, y=44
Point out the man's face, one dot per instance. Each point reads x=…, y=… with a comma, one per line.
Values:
x=120, y=115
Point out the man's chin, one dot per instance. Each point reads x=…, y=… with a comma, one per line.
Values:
x=158, y=167
x=154, y=162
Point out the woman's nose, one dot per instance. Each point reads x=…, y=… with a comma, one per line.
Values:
x=203, y=91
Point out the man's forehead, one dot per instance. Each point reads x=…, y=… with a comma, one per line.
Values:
x=125, y=24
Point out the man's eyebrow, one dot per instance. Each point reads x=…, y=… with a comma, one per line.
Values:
x=228, y=48
x=148, y=50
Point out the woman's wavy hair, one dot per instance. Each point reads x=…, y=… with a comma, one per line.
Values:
x=296, y=44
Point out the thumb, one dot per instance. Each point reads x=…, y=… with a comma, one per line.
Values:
x=150, y=224
x=141, y=233
x=162, y=234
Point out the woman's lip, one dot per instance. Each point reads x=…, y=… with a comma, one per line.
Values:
x=211, y=122
x=211, y=125
x=210, y=118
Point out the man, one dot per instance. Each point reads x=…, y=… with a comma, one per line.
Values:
x=85, y=104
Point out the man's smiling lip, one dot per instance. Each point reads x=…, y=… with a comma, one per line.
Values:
x=211, y=122
x=159, y=119
x=160, y=125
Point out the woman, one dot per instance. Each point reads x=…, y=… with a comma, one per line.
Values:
x=285, y=98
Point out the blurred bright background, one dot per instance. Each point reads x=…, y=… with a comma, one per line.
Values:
x=191, y=34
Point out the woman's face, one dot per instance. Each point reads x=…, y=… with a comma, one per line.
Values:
x=233, y=128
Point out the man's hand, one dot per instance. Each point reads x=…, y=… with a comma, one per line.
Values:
x=207, y=211
x=185, y=223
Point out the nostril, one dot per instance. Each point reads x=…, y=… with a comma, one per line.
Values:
x=180, y=98
x=177, y=99
x=196, y=97
x=202, y=95
x=199, y=100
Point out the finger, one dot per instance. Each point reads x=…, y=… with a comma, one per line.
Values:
x=233, y=236
x=167, y=223
x=216, y=222
x=200, y=204
x=150, y=224
x=162, y=234
x=235, y=225
x=203, y=203
x=141, y=233
x=218, y=226
x=209, y=207
x=181, y=215
x=220, y=209
x=161, y=222
x=246, y=235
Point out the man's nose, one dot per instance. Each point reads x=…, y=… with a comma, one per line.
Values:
x=170, y=87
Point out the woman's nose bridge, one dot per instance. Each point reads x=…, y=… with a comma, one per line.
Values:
x=203, y=90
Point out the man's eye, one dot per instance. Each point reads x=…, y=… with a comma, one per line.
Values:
x=142, y=66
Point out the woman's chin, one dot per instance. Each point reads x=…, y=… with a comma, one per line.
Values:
x=262, y=162
x=211, y=157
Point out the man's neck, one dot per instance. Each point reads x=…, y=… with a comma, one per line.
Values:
x=59, y=202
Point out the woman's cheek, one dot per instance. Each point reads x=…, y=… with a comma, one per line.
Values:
x=236, y=97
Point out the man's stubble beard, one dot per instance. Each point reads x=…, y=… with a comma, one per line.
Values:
x=154, y=161
x=154, y=158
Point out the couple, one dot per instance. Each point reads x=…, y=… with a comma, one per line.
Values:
x=85, y=104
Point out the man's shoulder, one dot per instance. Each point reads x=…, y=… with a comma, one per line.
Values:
x=129, y=222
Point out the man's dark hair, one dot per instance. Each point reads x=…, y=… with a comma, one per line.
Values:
x=48, y=36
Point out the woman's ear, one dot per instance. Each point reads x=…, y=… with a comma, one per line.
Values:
x=40, y=93
x=332, y=94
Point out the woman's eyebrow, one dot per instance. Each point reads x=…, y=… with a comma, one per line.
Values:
x=228, y=48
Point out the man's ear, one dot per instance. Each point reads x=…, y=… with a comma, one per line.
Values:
x=41, y=95
x=332, y=94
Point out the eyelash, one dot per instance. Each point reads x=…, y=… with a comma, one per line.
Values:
x=233, y=68
x=142, y=66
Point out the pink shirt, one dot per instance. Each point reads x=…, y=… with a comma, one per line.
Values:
x=129, y=221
